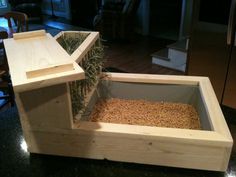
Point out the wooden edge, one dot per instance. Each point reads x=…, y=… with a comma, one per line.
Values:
x=213, y=109
x=87, y=99
x=89, y=41
x=210, y=138
x=85, y=47
x=175, y=135
x=226, y=159
x=29, y=34
x=21, y=111
x=69, y=105
x=53, y=69
x=152, y=78
x=211, y=103
x=52, y=79
x=58, y=35
x=63, y=32
x=86, y=32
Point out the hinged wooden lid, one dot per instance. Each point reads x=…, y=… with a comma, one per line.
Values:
x=36, y=60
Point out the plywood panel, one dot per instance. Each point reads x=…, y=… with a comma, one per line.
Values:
x=46, y=107
x=139, y=149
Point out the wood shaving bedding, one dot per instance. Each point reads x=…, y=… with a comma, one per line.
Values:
x=147, y=113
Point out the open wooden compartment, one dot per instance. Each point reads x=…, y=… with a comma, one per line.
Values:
x=154, y=92
x=50, y=126
x=207, y=149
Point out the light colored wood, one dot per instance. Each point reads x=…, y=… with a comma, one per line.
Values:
x=58, y=68
x=58, y=35
x=217, y=118
x=63, y=32
x=27, y=54
x=149, y=78
x=47, y=121
x=138, y=149
x=29, y=34
x=198, y=149
x=45, y=108
x=86, y=45
x=194, y=137
x=87, y=99
x=83, y=49
x=53, y=79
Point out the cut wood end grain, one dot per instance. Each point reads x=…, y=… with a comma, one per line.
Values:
x=147, y=113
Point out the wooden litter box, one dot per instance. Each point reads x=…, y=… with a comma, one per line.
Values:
x=42, y=72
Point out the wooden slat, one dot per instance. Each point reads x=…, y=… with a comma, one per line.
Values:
x=58, y=35
x=29, y=34
x=149, y=78
x=59, y=68
x=211, y=103
x=138, y=149
x=83, y=49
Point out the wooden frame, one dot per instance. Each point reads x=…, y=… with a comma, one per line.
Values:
x=44, y=103
x=83, y=49
x=58, y=135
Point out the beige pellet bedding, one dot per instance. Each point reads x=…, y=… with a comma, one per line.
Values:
x=142, y=112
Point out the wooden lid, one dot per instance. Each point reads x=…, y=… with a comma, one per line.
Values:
x=36, y=60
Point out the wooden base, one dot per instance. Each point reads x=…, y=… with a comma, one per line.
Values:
x=48, y=127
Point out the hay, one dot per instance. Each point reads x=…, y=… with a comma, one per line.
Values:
x=91, y=63
x=71, y=41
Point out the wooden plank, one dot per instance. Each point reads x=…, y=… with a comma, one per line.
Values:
x=29, y=34
x=69, y=104
x=58, y=35
x=52, y=79
x=44, y=108
x=139, y=149
x=152, y=78
x=197, y=137
x=58, y=68
x=87, y=99
x=34, y=54
x=83, y=49
x=86, y=45
x=211, y=103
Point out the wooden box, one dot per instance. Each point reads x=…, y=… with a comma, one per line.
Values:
x=50, y=127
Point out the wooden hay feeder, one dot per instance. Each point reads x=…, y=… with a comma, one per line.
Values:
x=46, y=80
